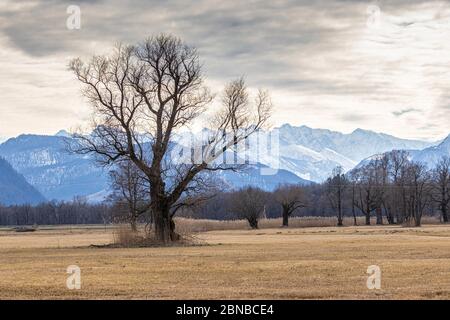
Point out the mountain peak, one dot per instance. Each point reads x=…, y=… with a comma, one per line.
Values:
x=362, y=131
x=445, y=142
x=63, y=133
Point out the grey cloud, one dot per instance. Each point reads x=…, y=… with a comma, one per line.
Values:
x=263, y=38
x=309, y=49
x=405, y=111
x=358, y=118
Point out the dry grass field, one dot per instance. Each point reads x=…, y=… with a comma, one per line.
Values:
x=269, y=263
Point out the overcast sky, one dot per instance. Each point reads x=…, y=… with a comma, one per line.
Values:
x=329, y=64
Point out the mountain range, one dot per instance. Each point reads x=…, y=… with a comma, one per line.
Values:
x=303, y=155
x=429, y=156
x=47, y=165
x=433, y=154
x=312, y=154
x=14, y=189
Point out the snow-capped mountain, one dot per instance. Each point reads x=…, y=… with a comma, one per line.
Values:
x=60, y=175
x=14, y=189
x=299, y=155
x=355, y=146
x=251, y=175
x=46, y=165
x=312, y=154
x=429, y=156
x=432, y=155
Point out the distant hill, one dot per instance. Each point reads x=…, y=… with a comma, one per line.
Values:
x=429, y=156
x=251, y=176
x=14, y=189
x=432, y=155
x=46, y=164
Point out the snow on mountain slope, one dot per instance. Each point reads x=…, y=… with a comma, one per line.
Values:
x=14, y=189
x=432, y=155
x=251, y=176
x=60, y=175
x=313, y=153
x=309, y=164
x=262, y=166
x=429, y=156
x=57, y=174
x=356, y=146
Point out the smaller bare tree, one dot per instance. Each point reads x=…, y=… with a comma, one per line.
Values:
x=291, y=198
x=336, y=187
x=130, y=189
x=248, y=203
x=419, y=191
x=441, y=183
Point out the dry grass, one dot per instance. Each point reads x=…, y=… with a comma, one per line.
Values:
x=188, y=226
x=125, y=237
x=294, y=263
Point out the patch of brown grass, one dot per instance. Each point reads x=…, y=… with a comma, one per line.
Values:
x=271, y=263
x=125, y=237
x=189, y=226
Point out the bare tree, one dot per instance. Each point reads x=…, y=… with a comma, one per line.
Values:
x=291, y=198
x=353, y=200
x=365, y=199
x=248, y=203
x=395, y=199
x=381, y=168
x=441, y=181
x=141, y=96
x=336, y=186
x=130, y=188
x=419, y=191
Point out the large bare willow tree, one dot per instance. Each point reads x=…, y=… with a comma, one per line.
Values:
x=142, y=95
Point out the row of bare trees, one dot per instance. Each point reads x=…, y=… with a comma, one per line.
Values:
x=390, y=188
x=77, y=211
x=252, y=204
x=393, y=187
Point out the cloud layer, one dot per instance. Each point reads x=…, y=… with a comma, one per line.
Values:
x=383, y=66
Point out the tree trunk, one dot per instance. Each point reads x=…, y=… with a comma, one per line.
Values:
x=285, y=218
x=133, y=223
x=353, y=207
x=340, y=223
x=253, y=222
x=418, y=220
x=164, y=226
x=379, y=213
x=444, y=213
x=390, y=216
x=368, y=218
x=367, y=210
